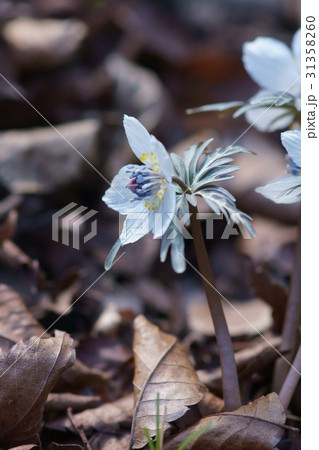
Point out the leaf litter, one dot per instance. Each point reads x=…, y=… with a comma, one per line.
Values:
x=133, y=60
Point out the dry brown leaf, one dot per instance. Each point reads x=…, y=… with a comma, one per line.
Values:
x=252, y=359
x=243, y=318
x=257, y=426
x=210, y=404
x=16, y=322
x=106, y=417
x=162, y=368
x=37, y=160
x=105, y=441
x=28, y=372
x=65, y=400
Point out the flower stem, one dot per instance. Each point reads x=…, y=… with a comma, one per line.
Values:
x=291, y=320
x=226, y=353
x=291, y=382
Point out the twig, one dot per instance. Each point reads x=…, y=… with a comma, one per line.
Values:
x=231, y=392
x=291, y=382
x=78, y=430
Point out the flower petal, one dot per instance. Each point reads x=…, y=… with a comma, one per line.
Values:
x=136, y=225
x=271, y=64
x=269, y=119
x=164, y=161
x=291, y=140
x=282, y=190
x=296, y=48
x=147, y=148
x=215, y=107
x=118, y=197
x=174, y=239
x=163, y=215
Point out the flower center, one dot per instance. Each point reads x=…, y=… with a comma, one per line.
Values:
x=144, y=183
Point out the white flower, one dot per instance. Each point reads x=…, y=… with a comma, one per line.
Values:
x=143, y=193
x=200, y=171
x=287, y=189
x=276, y=69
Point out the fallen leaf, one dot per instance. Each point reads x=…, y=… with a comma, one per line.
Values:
x=257, y=426
x=60, y=402
x=162, y=367
x=38, y=160
x=16, y=323
x=210, y=404
x=253, y=359
x=107, y=417
x=37, y=42
x=272, y=291
x=20, y=271
x=104, y=441
x=271, y=237
x=28, y=373
x=243, y=318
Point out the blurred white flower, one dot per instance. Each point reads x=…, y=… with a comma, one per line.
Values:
x=141, y=192
x=276, y=69
x=287, y=189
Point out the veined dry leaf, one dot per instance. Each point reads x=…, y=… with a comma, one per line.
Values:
x=27, y=374
x=162, y=368
x=16, y=323
x=257, y=426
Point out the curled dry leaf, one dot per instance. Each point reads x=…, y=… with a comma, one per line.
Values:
x=65, y=400
x=28, y=373
x=16, y=322
x=105, y=418
x=257, y=426
x=162, y=368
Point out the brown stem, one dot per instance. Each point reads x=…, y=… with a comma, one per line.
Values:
x=291, y=382
x=291, y=320
x=226, y=353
